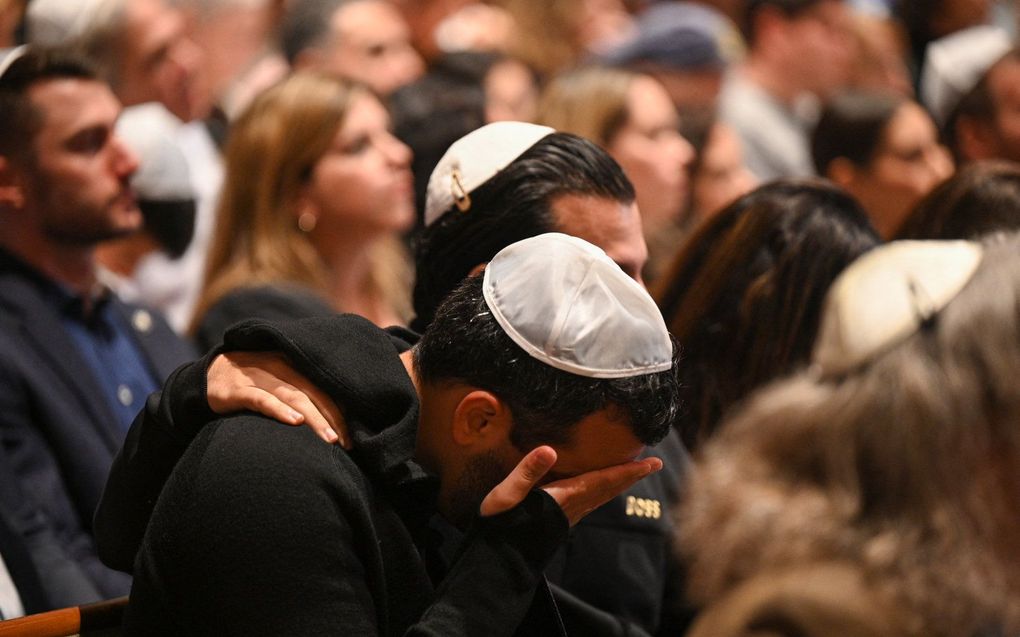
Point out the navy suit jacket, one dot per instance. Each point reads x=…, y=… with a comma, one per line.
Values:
x=58, y=433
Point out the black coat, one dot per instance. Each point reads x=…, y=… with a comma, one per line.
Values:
x=618, y=574
x=264, y=529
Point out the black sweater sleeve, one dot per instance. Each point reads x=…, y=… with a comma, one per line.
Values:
x=158, y=437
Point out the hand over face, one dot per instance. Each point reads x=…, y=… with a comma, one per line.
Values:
x=577, y=496
x=264, y=382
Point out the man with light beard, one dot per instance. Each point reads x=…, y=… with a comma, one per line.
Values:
x=75, y=362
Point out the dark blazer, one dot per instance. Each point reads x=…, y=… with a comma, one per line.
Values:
x=57, y=431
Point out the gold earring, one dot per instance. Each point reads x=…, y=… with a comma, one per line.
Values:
x=306, y=222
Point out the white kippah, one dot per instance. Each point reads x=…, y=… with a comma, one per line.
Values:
x=565, y=303
x=63, y=22
x=473, y=160
x=885, y=296
x=954, y=64
x=150, y=130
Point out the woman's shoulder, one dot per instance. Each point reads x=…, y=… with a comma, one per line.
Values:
x=274, y=302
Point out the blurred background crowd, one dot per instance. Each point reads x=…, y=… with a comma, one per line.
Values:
x=283, y=152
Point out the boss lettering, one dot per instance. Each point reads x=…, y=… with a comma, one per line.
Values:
x=643, y=508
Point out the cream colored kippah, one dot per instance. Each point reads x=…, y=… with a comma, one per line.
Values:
x=473, y=160
x=564, y=302
x=886, y=295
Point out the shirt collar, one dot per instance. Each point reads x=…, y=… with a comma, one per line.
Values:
x=56, y=294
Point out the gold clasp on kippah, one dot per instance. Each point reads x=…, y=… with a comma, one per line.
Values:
x=460, y=195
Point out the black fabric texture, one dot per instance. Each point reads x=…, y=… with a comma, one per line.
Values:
x=263, y=529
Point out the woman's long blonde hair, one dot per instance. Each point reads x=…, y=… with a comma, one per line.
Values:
x=269, y=155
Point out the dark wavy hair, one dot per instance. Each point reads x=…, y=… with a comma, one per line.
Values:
x=513, y=205
x=982, y=197
x=744, y=295
x=465, y=343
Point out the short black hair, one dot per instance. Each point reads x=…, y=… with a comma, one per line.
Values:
x=306, y=25
x=439, y=108
x=792, y=9
x=466, y=344
x=851, y=126
x=513, y=205
x=20, y=121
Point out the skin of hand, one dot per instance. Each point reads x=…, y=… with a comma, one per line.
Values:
x=577, y=496
x=265, y=382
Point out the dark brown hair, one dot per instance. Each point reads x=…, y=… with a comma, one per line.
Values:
x=981, y=197
x=908, y=468
x=744, y=295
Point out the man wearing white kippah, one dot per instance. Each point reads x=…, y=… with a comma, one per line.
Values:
x=520, y=411
x=499, y=184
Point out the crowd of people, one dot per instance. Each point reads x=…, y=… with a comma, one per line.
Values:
x=508, y=317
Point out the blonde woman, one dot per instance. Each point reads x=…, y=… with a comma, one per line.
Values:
x=632, y=116
x=316, y=193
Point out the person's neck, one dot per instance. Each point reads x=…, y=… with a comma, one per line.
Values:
x=123, y=255
x=767, y=74
x=350, y=276
x=73, y=266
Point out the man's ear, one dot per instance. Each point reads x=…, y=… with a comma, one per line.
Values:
x=481, y=420
x=12, y=192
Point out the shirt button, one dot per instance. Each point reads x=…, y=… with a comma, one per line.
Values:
x=124, y=395
x=142, y=321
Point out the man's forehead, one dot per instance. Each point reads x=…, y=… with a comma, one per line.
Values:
x=67, y=101
x=602, y=439
x=69, y=94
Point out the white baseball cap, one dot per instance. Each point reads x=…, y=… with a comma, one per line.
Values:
x=473, y=160
x=886, y=295
x=567, y=304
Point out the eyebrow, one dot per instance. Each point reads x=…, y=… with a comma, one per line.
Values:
x=85, y=134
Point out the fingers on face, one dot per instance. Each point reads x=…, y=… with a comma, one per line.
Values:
x=580, y=495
